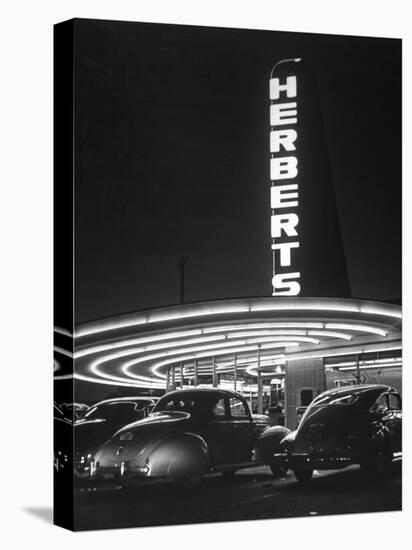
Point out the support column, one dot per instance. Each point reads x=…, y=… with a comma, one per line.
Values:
x=214, y=375
x=301, y=375
x=181, y=375
x=357, y=375
x=235, y=371
x=173, y=378
x=168, y=379
x=195, y=373
x=259, y=381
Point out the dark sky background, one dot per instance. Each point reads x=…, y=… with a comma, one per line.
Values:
x=172, y=160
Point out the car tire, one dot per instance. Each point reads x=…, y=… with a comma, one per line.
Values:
x=303, y=473
x=279, y=469
x=379, y=464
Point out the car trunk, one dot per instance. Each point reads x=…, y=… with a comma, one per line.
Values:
x=132, y=443
x=326, y=431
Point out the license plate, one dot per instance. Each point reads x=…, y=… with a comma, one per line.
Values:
x=127, y=436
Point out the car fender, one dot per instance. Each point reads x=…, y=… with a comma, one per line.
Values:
x=379, y=438
x=268, y=443
x=180, y=455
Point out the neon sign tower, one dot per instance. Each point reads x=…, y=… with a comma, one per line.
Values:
x=284, y=168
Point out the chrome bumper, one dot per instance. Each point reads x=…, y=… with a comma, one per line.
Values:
x=119, y=470
x=317, y=461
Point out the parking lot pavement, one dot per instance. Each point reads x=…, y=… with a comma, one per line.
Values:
x=250, y=494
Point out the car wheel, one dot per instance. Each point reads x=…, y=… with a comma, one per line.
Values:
x=303, y=472
x=279, y=469
x=379, y=464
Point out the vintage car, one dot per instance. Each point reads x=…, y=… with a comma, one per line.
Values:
x=62, y=431
x=350, y=425
x=100, y=422
x=189, y=434
x=74, y=410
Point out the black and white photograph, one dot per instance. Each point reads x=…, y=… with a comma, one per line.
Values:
x=234, y=349
x=205, y=274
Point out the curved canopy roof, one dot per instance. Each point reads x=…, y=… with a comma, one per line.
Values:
x=136, y=349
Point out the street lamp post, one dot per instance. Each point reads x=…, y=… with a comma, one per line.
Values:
x=288, y=60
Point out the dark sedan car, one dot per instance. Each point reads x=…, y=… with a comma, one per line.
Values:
x=62, y=430
x=352, y=425
x=74, y=410
x=190, y=433
x=101, y=421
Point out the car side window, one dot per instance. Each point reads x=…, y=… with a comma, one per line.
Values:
x=381, y=404
x=395, y=402
x=174, y=405
x=219, y=409
x=237, y=408
x=122, y=412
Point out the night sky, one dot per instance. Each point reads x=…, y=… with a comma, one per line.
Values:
x=172, y=160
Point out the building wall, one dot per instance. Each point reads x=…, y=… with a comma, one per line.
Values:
x=305, y=374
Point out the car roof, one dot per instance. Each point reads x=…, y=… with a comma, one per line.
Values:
x=204, y=391
x=359, y=388
x=121, y=399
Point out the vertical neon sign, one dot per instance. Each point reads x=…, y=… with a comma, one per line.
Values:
x=284, y=192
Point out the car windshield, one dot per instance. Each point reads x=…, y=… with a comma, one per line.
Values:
x=199, y=405
x=125, y=410
x=334, y=399
x=140, y=405
x=58, y=413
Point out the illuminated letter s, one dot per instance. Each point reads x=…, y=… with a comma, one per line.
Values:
x=283, y=287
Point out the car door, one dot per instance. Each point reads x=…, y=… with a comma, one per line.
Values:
x=213, y=423
x=242, y=430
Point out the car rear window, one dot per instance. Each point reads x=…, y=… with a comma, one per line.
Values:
x=330, y=401
x=199, y=405
x=333, y=399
